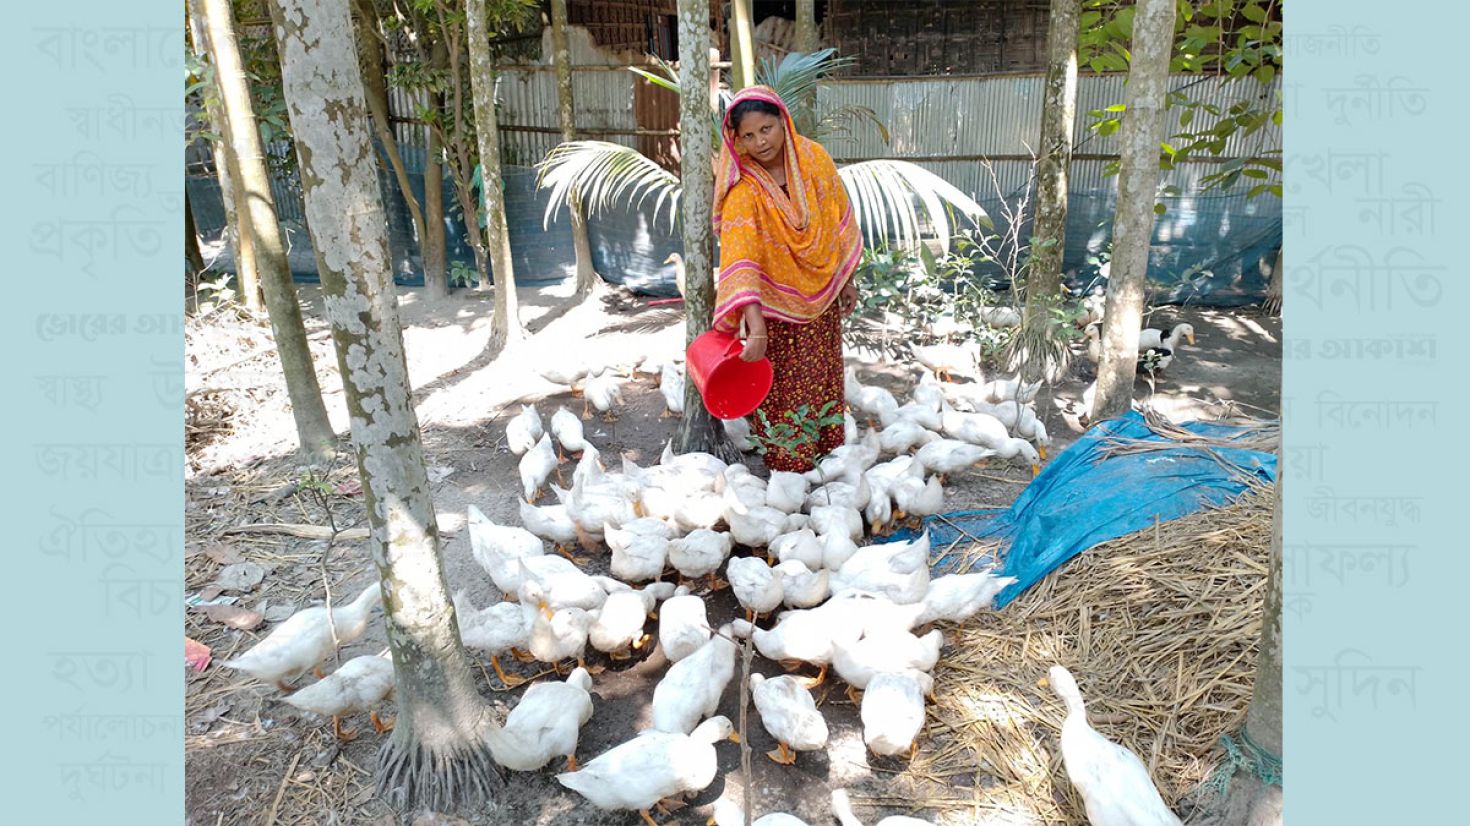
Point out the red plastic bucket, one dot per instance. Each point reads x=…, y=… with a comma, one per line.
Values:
x=731, y=388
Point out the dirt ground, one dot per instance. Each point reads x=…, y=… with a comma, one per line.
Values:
x=252, y=759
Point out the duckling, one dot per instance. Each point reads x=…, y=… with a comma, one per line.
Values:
x=360, y=684
x=857, y=662
x=567, y=429
x=758, y=528
x=802, y=587
x=603, y=391
x=700, y=553
x=738, y=432
x=1152, y=339
x=544, y=725
x=786, y=491
x=892, y=711
x=652, y=766
x=692, y=687
x=957, y=597
x=495, y=630
x=671, y=385
x=306, y=638
x=757, y=587
x=789, y=714
x=903, y=436
x=497, y=548
x=1114, y=783
x=946, y=456
x=522, y=431
x=536, y=465
x=550, y=522
x=683, y=626
x=801, y=545
x=842, y=810
x=559, y=636
x=619, y=625
x=637, y=556
x=837, y=519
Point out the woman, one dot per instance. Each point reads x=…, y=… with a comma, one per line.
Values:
x=788, y=249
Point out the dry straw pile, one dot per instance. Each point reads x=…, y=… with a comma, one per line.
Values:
x=1160, y=628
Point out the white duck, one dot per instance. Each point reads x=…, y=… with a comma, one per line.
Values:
x=1152, y=338
x=757, y=528
x=637, y=556
x=1012, y=449
x=892, y=711
x=567, y=371
x=757, y=587
x=652, y=766
x=851, y=490
x=1000, y=316
x=879, y=510
x=700, y=553
x=556, y=582
x=493, y=630
x=603, y=391
x=691, y=689
x=872, y=400
x=549, y=522
x=729, y=813
x=837, y=548
x=789, y=714
x=838, y=520
x=903, y=436
x=306, y=638
x=738, y=431
x=801, y=545
x=957, y=597
x=928, y=392
x=1114, y=783
x=544, y=725
x=359, y=685
x=536, y=467
x=976, y=428
x=1005, y=390
x=946, y=456
x=786, y=491
x=559, y=636
x=619, y=625
x=499, y=548
x=857, y=662
x=683, y=626
x=803, y=587
x=522, y=432
x=842, y=810
x=913, y=495
x=567, y=429
x=898, y=571
x=671, y=385
x=948, y=359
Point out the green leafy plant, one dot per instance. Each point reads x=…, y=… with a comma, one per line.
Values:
x=215, y=292
x=799, y=430
x=462, y=274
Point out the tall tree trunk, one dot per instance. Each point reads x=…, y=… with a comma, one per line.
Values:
x=806, y=26
x=461, y=154
x=436, y=254
x=698, y=431
x=742, y=46
x=1138, y=181
x=505, y=325
x=1058, y=115
x=373, y=58
x=561, y=57
x=1272, y=304
x=313, y=428
x=192, y=255
x=436, y=756
x=236, y=236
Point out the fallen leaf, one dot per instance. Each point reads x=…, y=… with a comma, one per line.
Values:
x=209, y=592
x=242, y=576
x=223, y=554
x=351, y=487
x=233, y=616
x=196, y=654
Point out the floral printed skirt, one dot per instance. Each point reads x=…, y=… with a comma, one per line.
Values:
x=807, y=360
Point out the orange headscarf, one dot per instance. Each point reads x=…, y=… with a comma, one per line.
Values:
x=791, y=255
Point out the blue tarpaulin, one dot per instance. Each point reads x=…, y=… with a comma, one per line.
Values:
x=1083, y=498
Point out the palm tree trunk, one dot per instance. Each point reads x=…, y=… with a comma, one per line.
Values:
x=505, y=326
x=313, y=428
x=1138, y=180
x=742, y=46
x=806, y=26
x=698, y=431
x=373, y=58
x=1058, y=114
x=236, y=236
x=561, y=56
x=436, y=757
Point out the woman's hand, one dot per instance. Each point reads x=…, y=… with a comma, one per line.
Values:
x=847, y=299
x=755, y=334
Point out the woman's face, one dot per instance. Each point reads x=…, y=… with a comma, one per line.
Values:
x=762, y=136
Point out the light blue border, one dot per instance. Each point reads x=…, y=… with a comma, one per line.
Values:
x=94, y=449
x=1375, y=369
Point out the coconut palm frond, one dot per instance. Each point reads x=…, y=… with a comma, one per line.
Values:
x=795, y=76
x=603, y=175
x=667, y=76
x=839, y=123
x=896, y=198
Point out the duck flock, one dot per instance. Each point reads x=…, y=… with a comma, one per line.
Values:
x=799, y=551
